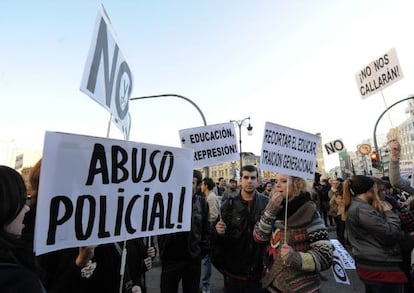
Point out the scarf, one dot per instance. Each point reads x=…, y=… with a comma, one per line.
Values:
x=293, y=205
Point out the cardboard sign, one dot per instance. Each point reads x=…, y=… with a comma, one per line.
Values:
x=212, y=144
x=379, y=74
x=107, y=78
x=289, y=151
x=96, y=190
x=342, y=261
x=334, y=146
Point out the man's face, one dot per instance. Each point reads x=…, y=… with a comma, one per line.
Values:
x=203, y=187
x=233, y=184
x=248, y=181
x=194, y=185
x=222, y=182
x=268, y=187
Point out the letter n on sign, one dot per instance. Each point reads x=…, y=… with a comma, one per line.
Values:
x=334, y=146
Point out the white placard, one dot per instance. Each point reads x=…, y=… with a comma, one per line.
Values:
x=95, y=190
x=334, y=146
x=212, y=144
x=379, y=74
x=107, y=78
x=19, y=162
x=346, y=258
x=289, y=151
x=342, y=261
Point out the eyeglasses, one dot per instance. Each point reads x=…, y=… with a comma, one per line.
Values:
x=249, y=177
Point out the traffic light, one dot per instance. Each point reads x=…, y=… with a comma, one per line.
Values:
x=374, y=160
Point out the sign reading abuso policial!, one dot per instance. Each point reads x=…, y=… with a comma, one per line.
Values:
x=95, y=190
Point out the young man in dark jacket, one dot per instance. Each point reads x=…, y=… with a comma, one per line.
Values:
x=234, y=251
x=181, y=253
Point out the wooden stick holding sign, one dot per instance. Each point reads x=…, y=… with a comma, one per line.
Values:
x=286, y=209
x=290, y=152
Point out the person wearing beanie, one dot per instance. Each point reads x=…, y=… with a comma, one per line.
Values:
x=374, y=232
x=17, y=269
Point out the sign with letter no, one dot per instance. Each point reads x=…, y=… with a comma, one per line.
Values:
x=107, y=77
x=334, y=146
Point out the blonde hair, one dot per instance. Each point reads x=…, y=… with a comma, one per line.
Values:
x=300, y=185
x=34, y=180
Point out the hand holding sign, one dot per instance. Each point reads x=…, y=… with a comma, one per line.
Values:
x=86, y=253
x=221, y=227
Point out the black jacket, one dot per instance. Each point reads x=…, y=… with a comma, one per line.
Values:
x=17, y=270
x=15, y=278
x=62, y=275
x=239, y=255
x=194, y=244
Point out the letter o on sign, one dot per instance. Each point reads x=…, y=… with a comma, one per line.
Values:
x=123, y=90
x=338, y=145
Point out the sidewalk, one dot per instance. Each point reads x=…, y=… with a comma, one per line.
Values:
x=328, y=280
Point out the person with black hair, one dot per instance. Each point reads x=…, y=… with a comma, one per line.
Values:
x=207, y=187
x=374, y=233
x=17, y=265
x=234, y=252
x=89, y=268
x=181, y=252
x=231, y=191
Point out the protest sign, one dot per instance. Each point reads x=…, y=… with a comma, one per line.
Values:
x=334, y=146
x=342, y=261
x=289, y=151
x=343, y=254
x=212, y=144
x=107, y=78
x=96, y=190
x=379, y=74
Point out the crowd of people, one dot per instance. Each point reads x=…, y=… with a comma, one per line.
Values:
x=269, y=239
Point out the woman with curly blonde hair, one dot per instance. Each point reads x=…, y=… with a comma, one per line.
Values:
x=298, y=242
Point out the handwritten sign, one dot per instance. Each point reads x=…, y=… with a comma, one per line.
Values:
x=95, y=190
x=107, y=78
x=334, y=146
x=379, y=74
x=212, y=144
x=342, y=261
x=289, y=151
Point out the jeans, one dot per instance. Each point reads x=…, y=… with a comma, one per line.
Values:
x=205, y=273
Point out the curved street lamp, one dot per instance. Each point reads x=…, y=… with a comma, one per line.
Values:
x=206, y=169
x=177, y=96
x=249, y=128
x=376, y=124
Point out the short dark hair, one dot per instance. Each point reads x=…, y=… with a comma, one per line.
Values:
x=248, y=168
x=197, y=175
x=13, y=195
x=209, y=182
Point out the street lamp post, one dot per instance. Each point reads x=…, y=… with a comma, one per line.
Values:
x=249, y=128
x=206, y=169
